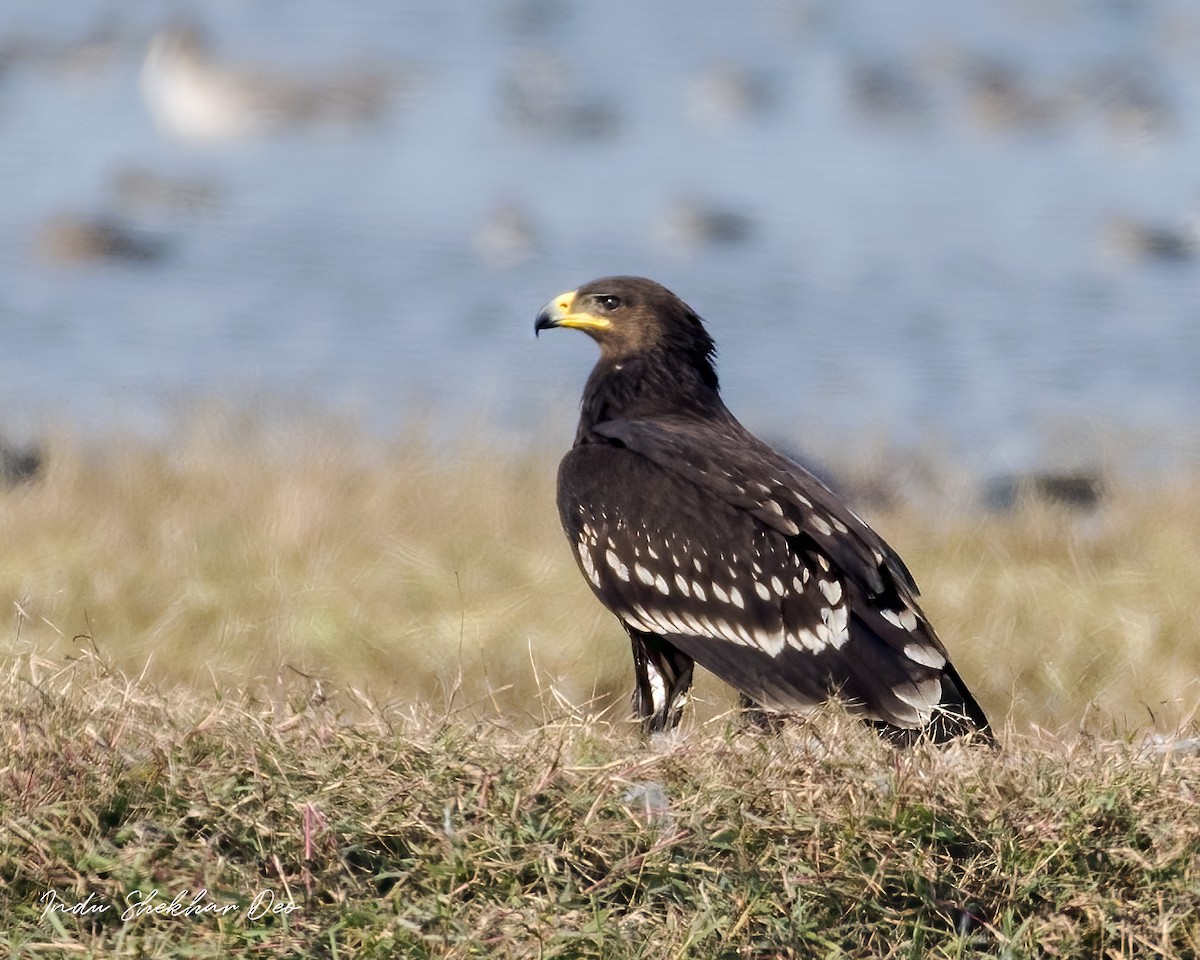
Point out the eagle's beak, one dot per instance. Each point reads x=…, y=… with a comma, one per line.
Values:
x=553, y=313
x=560, y=312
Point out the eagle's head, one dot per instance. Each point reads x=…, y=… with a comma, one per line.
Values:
x=632, y=317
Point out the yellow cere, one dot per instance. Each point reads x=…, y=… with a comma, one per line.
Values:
x=579, y=321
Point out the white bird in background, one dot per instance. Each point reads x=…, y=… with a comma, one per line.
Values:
x=197, y=98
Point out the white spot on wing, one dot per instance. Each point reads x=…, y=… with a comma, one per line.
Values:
x=618, y=567
x=735, y=597
x=820, y=525
x=719, y=593
x=908, y=620
x=762, y=590
x=694, y=623
x=806, y=640
x=662, y=585
x=837, y=620
x=832, y=591
x=682, y=584
x=589, y=568
x=722, y=629
x=656, y=620
x=922, y=697
x=777, y=586
x=698, y=590
x=924, y=654
x=788, y=526
x=643, y=574
x=770, y=643
x=676, y=622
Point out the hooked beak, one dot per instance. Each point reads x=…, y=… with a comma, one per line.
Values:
x=560, y=312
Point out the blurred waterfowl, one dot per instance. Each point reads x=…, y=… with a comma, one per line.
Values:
x=99, y=49
x=1130, y=99
x=18, y=464
x=147, y=191
x=1001, y=101
x=886, y=91
x=1079, y=490
x=528, y=18
x=195, y=97
x=68, y=239
x=538, y=96
x=506, y=237
x=688, y=225
x=724, y=93
x=1132, y=239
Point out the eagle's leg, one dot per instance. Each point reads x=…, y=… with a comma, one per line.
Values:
x=662, y=677
x=758, y=716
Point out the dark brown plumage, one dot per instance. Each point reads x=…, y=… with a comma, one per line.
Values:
x=712, y=548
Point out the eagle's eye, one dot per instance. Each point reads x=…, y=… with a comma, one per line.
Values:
x=607, y=302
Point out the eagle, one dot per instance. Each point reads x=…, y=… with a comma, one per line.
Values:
x=711, y=547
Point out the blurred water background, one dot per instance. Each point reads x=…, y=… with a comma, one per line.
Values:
x=971, y=225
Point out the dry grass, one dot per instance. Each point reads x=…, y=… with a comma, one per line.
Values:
x=246, y=548
x=367, y=679
x=417, y=836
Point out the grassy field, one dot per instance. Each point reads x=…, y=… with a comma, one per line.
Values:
x=364, y=683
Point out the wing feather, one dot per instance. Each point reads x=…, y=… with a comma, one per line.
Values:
x=746, y=563
x=747, y=474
